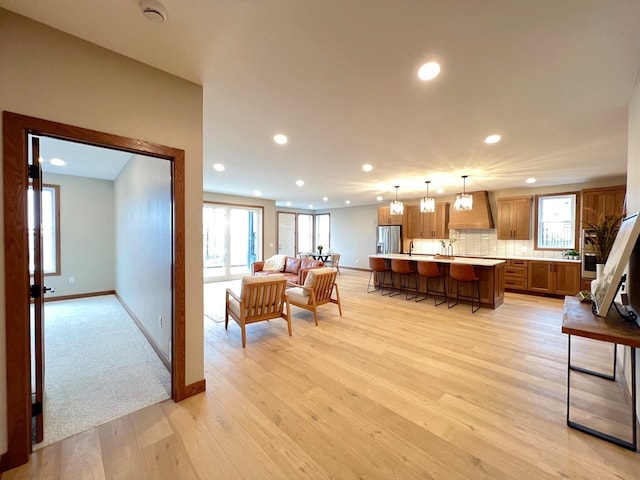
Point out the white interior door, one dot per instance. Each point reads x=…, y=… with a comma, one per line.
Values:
x=287, y=234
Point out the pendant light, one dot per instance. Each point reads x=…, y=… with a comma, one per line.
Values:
x=397, y=207
x=428, y=204
x=464, y=201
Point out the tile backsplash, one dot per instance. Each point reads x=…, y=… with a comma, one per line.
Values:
x=485, y=243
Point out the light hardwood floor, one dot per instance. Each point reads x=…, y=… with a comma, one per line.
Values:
x=393, y=389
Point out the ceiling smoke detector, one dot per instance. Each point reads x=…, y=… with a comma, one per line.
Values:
x=153, y=11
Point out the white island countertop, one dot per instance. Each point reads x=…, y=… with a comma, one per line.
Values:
x=478, y=262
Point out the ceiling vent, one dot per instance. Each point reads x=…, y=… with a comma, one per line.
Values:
x=153, y=11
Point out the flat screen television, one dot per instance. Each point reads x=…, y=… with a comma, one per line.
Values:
x=605, y=288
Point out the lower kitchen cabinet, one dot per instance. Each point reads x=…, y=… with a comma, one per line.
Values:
x=561, y=278
x=515, y=274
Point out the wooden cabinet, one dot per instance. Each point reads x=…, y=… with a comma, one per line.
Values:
x=515, y=274
x=562, y=278
x=514, y=218
x=428, y=225
x=600, y=202
x=385, y=217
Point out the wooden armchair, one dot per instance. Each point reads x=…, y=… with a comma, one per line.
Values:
x=317, y=290
x=261, y=298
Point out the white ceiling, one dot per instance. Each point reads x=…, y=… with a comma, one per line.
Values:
x=553, y=77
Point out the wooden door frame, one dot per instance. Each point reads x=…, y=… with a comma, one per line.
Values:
x=15, y=128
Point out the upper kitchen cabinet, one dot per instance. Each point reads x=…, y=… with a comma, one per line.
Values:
x=428, y=225
x=385, y=217
x=514, y=218
x=600, y=202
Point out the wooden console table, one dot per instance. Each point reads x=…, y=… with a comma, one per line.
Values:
x=578, y=320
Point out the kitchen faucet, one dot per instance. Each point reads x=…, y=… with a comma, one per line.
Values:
x=410, y=247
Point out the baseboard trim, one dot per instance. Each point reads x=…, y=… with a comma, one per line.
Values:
x=163, y=356
x=79, y=295
x=191, y=390
x=355, y=268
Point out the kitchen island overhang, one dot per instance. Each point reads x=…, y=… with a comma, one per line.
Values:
x=489, y=270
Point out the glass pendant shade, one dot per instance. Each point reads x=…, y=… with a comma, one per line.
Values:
x=427, y=204
x=397, y=207
x=464, y=201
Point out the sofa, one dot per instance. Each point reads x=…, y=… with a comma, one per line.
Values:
x=294, y=269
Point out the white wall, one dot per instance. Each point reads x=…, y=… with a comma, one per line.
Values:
x=86, y=235
x=633, y=203
x=143, y=244
x=48, y=74
x=353, y=234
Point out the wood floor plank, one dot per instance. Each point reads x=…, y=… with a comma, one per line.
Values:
x=121, y=453
x=81, y=457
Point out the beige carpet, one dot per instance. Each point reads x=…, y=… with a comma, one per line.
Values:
x=98, y=366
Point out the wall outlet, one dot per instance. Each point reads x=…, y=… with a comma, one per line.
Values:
x=72, y=280
x=356, y=260
x=160, y=320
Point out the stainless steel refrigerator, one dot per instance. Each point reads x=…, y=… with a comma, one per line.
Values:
x=389, y=240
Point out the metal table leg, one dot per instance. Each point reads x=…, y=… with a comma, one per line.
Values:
x=604, y=436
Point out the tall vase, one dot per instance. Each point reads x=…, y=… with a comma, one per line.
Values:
x=599, y=269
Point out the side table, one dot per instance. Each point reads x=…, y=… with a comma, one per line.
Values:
x=577, y=319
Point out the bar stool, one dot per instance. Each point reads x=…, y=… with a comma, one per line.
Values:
x=466, y=274
x=379, y=268
x=430, y=270
x=406, y=270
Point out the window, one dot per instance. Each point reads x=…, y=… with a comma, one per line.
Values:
x=305, y=232
x=323, y=221
x=232, y=240
x=556, y=221
x=50, y=229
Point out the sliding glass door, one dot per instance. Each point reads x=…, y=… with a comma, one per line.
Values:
x=232, y=239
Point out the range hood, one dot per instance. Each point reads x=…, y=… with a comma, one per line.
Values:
x=478, y=218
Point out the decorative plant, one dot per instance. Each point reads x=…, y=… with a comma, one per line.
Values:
x=320, y=247
x=570, y=253
x=602, y=234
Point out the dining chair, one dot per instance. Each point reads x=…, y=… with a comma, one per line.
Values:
x=335, y=261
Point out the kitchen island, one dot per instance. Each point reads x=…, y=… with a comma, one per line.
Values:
x=489, y=270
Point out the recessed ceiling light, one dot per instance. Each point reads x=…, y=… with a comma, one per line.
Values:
x=57, y=162
x=531, y=180
x=492, y=139
x=218, y=167
x=280, y=139
x=257, y=193
x=379, y=198
x=348, y=202
x=325, y=199
x=300, y=183
x=310, y=206
x=367, y=167
x=288, y=204
x=440, y=190
x=429, y=71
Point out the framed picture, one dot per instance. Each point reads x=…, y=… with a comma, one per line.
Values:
x=605, y=288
